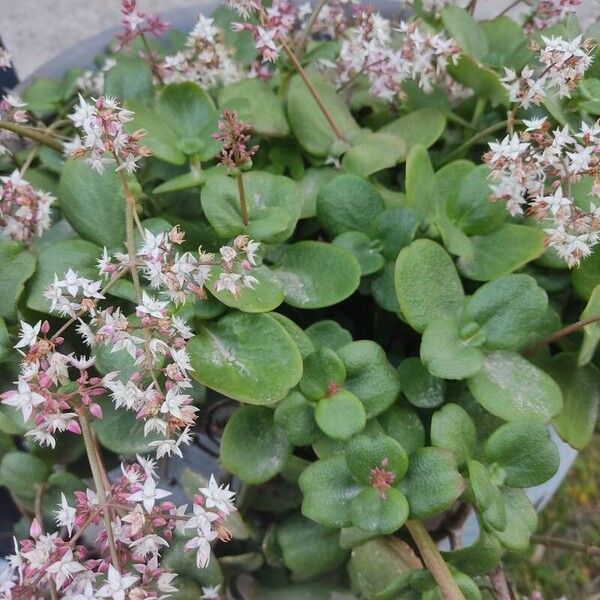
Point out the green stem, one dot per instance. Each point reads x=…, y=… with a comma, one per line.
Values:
x=478, y=137
x=303, y=41
x=434, y=562
x=32, y=134
x=557, y=335
x=88, y=440
x=243, y=203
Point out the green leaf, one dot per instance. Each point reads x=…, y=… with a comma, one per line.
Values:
x=323, y=369
x=121, y=432
x=316, y=274
x=477, y=559
x=328, y=489
x=364, y=453
x=22, y=472
x=302, y=340
x=383, y=289
x=43, y=97
x=257, y=104
x=253, y=447
x=57, y=258
x=471, y=209
x=17, y=265
x=375, y=514
x=525, y=451
x=404, y=425
x=432, y=483
x=487, y=496
x=465, y=30
x=266, y=295
x=307, y=122
x=482, y=80
x=309, y=548
x=427, y=284
x=519, y=245
x=348, y=203
x=340, y=415
x=365, y=156
x=296, y=416
x=591, y=332
x=181, y=182
x=586, y=276
x=395, y=228
x=370, y=376
x=511, y=388
x=507, y=309
x=129, y=79
x=365, y=250
x=328, y=334
x=424, y=127
x=580, y=387
x=248, y=357
x=421, y=189
x=93, y=203
x=507, y=42
x=420, y=387
x=272, y=201
x=447, y=352
x=449, y=179
x=522, y=521
x=309, y=187
x=453, y=429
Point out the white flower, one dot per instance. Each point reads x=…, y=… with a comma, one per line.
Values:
x=251, y=248
x=65, y=515
x=148, y=495
x=65, y=568
x=228, y=253
x=23, y=398
x=164, y=583
x=228, y=281
x=173, y=403
x=152, y=307
x=83, y=362
x=218, y=496
x=28, y=335
x=201, y=543
x=148, y=545
x=201, y=518
x=211, y=593
x=534, y=124
x=116, y=584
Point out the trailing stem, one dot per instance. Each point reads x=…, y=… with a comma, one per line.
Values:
x=434, y=562
x=303, y=41
x=32, y=134
x=557, y=335
x=98, y=476
x=243, y=203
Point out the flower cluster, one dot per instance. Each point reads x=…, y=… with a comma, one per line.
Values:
x=370, y=48
x=24, y=211
x=12, y=110
x=206, y=59
x=235, y=136
x=533, y=172
x=549, y=12
x=137, y=24
x=142, y=525
x=104, y=137
x=562, y=65
x=92, y=82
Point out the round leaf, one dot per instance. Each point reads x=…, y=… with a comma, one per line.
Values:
x=420, y=387
x=364, y=453
x=363, y=249
x=522, y=521
x=370, y=376
x=487, y=496
x=341, y=415
x=93, y=203
x=432, y=483
x=296, y=416
x=21, y=473
x=466, y=31
x=511, y=388
x=525, y=451
x=17, y=265
x=370, y=512
x=404, y=425
x=477, y=559
x=322, y=369
x=328, y=489
x=446, y=354
x=519, y=245
x=253, y=447
x=427, y=284
x=365, y=156
x=453, y=429
x=316, y=274
x=507, y=309
x=302, y=340
x=129, y=79
x=249, y=357
x=328, y=334
x=585, y=277
x=272, y=200
x=395, y=228
x=348, y=203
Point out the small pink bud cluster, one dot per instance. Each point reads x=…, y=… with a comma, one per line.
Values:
x=562, y=64
x=137, y=23
x=24, y=211
x=382, y=477
x=234, y=134
x=531, y=171
x=11, y=109
x=104, y=137
x=142, y=526
x=549, y=12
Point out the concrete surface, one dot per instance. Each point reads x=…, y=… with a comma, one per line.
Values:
x=36, y=30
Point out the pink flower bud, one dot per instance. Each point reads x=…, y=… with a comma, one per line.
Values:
x=36, y=529
x=96, y=410
x=45, y=327
x=73, y=427
x=44, y=380
x=245, y=264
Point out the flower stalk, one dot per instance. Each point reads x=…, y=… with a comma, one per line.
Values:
x=32, y=134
